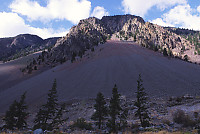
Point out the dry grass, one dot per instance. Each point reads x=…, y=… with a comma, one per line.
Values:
x=165, y=132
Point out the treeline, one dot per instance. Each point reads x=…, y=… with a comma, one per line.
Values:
x=111, y=117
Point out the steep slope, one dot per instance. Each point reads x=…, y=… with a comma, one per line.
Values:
x=87, y=34
x=114, y=62
x=21, y=45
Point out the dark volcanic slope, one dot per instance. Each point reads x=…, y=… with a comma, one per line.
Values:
x=112, y=63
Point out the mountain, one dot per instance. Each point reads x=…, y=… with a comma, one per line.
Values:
x=92, y=31
x=21, y=45
x=115, y=62
x=98, y=53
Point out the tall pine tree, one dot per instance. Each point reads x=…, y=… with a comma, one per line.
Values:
x=10, y=121
x=16, y=115
x=101, y=110
x=141, y=104
x=114, y=111
x=50, y=115
x=21, y=113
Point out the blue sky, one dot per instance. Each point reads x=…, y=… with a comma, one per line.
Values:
x=49, y=18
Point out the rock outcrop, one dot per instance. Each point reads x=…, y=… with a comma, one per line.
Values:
x=92, y=31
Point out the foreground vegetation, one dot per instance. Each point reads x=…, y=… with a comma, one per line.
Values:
x=108, y=116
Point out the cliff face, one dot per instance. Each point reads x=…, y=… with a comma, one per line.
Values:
x=92, y=31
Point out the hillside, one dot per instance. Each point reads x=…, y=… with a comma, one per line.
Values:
x=11, y=74
x=115, y=62
x=22, y=45
x=92, y=31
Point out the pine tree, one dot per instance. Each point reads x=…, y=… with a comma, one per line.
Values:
x=16, y=115
x=165, y=52
x=10, y=121
x=141, y=104
x=50, y=115
x=114, y=111
x=52, y=101
x=58, y=119
x=21, y=113
x=101, y=110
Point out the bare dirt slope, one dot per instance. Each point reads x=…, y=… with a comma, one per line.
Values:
x=112, y=63
x=10, y=73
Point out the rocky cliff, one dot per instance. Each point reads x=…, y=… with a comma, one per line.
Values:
x=92, y=31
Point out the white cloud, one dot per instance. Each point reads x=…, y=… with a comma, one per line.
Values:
x=99, y=12
x=141, y=7
x=198, y=9
x=72, y=10
x=182, y=16
x=160, y=22
x=12, y=24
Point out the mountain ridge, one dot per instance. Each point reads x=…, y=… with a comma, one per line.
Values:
x=23, y=44
x=92, y=31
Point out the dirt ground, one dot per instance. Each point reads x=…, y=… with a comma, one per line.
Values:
x=112, y=63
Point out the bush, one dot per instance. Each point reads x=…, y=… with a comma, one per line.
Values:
x=165, y=121
x=82, y=124
x=181, y=118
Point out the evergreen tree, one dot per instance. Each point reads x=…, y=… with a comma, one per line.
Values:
x=141, y=104
x=155, y=48
x=73, y=58
x=50, y=115
x=21, y=112
x=114, y=111
x=101, y=110
x=185, y=58
x=58, y=119
x=135, y=37
x=16, y=115
x=165, y=52
x=10, y=121
x=35, y=68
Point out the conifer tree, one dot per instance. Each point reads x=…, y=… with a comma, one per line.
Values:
x=21, y=113
x=101, y=110
x=141, y=104
x=165, y=52
x=114, y=111
x=50, y=115
x=10, y=121
x=16, y=115
x=58, y=118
